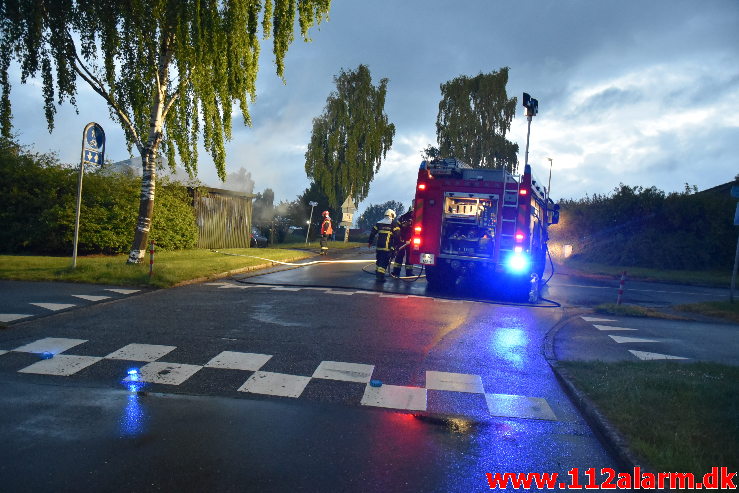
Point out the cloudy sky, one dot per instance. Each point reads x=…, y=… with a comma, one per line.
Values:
x=635, y=92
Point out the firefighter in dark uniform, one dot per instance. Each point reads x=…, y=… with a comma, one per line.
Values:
x=326, y=231
x=402, y=249
x=386, y=231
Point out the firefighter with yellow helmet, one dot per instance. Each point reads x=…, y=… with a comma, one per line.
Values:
x=384, y=235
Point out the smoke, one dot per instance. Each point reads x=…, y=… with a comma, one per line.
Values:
x=239, y=181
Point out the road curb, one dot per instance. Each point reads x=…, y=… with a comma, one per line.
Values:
x=608, y=434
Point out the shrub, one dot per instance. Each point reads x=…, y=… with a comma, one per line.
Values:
x=38, y=202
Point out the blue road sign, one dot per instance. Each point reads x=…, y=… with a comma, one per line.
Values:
x=95, y=138
x=93, y=144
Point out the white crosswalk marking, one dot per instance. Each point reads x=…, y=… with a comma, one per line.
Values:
x=376, y=394
x=596, y=319
x=10, y=317
x=61, y=364
x=54, y=306
x=239, y=361
x=457, y=382
x=519, y=406
x=647, y=356
x=347, y=372
x=141, y=352
x=611, y=327
x=395, y=397
x=54, y=345
x=123, y=291
x=622, y=339
x=89, y=297
x=166, y=373
x=278, y=384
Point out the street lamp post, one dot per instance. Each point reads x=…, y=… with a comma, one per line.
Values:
x=532, y=109
x=312, y=205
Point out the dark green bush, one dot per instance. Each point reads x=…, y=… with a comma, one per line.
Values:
x=38, y=201
x=644, y=227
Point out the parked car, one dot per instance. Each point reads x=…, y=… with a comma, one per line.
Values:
x=257, y=240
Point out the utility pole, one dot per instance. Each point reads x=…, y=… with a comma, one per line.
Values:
x=312, y=205
x=735, y=194
x=549, y=184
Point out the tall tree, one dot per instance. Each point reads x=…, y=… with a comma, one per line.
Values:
x=475, y=114
x=350, y=138
x=169, y=70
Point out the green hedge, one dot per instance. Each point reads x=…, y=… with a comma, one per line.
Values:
x=644, y=227
x=38, y=200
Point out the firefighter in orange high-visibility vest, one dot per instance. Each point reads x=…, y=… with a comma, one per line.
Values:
x=386, y=231
x=326, y=231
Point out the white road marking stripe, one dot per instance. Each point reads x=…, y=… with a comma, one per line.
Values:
x=165, y=373
x=519, y=406
x=54, y=306
x=647, y=356
x=123, y=291
x=89, y=297
x=610, y=327
x=395, y=397
x=54, y=345
x=456, y=382
x=345, y=372
x=279, y=384
x=232, y=360
x=595, y=319
x=622, y=339
x=61, y=365
x=141, y=352
x=9, y=317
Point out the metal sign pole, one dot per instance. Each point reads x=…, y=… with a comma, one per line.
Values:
x=307, y=232
x=733, y=274
x=79, y=203
x=93, y=152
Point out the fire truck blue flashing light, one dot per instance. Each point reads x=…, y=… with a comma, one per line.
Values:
x=518, y=263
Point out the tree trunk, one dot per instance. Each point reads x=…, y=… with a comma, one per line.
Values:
x=146, y=207
x=149, y=155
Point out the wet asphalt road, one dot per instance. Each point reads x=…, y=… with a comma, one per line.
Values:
x=88, y=431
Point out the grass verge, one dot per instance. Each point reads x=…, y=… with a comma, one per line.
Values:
x=719, y=279
x=719, y=309
x=676, y=416
x=170, y=268
x=634, y=311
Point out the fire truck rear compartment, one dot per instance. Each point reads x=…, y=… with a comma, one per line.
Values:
x=469, y=225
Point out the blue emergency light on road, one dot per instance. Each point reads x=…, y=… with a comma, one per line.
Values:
x=47, y=355
x=133, y=374
x=518, y=262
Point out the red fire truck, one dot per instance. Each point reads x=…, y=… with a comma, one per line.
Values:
x=485, y=226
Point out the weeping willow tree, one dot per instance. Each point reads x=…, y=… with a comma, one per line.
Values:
x=350, y=138
x=474, y=116
x=169, y=70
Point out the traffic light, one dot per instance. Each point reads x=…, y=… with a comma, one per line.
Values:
x=531, y=105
